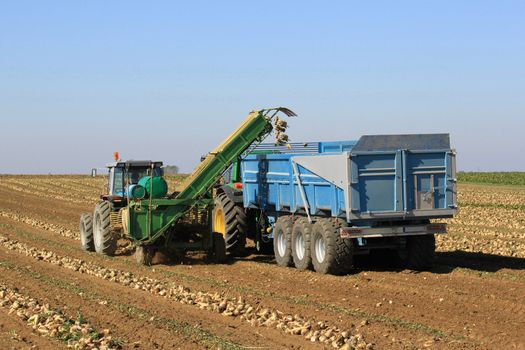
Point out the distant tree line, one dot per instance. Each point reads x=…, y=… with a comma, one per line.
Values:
x=171, y=169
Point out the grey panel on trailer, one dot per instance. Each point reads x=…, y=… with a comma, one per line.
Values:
x=333, y=168
x=416, y=142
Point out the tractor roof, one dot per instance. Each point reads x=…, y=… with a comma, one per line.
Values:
x=134, y=163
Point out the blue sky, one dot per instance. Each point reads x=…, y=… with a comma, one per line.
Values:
x=169, y=80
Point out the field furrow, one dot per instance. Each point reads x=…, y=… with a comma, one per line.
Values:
x=474, y=297
x=53, y=323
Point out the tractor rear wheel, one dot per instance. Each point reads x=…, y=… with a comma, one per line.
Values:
x=231, y=221
x=301, y=236
x=331, y=254
x=86, y=232
x=104, y=239
x=282, y=241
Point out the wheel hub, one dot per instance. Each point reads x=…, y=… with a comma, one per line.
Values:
x=281, y=244
x=219, y=224
x=299, y=246
x=320, y=249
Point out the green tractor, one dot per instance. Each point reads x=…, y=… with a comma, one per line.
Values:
x=100, y=231
x=203, y=216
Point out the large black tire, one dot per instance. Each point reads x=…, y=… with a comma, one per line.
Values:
x=86, y=232
x=231, y=221
x=105, y=241
x=420, y=251
x=301, y=237
x=282, y=241
x=331, y=254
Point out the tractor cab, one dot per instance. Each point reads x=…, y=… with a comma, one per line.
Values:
x=122, y=174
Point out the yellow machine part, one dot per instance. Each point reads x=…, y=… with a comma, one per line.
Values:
x=219, y=222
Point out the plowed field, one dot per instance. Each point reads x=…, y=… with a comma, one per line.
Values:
x=54, y=295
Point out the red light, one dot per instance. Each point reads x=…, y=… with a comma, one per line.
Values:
x=116, y=156
x=238, y=185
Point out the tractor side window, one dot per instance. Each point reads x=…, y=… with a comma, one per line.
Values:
x=118, y=182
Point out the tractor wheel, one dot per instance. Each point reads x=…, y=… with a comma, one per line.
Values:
x=105, y=241
x=144, y=255
x=331, y=254
x=301, y=236
x=230, y=220
x=282, y=241
x=86, y=232
x=419, y=253
x=217, y=252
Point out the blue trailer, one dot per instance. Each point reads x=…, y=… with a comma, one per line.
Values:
x=319, y=204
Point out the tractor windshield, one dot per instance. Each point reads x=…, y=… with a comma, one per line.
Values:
x=135, y=174
x=120, y=177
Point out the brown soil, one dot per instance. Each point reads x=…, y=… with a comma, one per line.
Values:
x=470, y=300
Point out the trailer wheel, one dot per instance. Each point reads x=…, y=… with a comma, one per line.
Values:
x=86, y=232
x=144, y=255
x=230, y=220
x=104, y=240
x=419, y=253
x=282, y=241
x=301, y=236
x=331, y=254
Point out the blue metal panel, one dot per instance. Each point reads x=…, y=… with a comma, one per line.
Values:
x=450, y=180
x=336, y=146
x=376, y=181
x=354, y=185
x=426, y=173
x=399, y=189
x=306, y=147
x=392, y=183
x=269, y=184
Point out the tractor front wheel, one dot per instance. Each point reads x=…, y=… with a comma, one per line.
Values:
x=105, y=241
x=86, y=232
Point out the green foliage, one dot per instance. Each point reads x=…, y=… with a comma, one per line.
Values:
x=80, y=318
x=116, y=343
x=94, y=335
x=498, y=178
